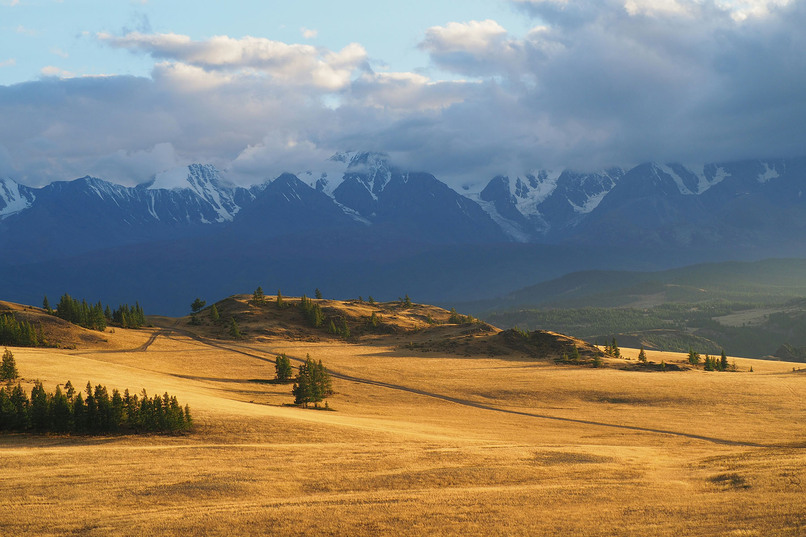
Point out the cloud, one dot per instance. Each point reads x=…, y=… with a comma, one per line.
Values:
x=308, y=33
x=623, y=82
x=53, y=71
x=593, y=84
x=8, y=63
x=291, y=64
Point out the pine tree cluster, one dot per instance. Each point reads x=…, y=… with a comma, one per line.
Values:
x=129, y=316
x=611, y=349
x=81, y=313
x=312, y=384
x=312, y=312
x=96, y=317
x=20, y=333
x=718, y=364
x=95, y=413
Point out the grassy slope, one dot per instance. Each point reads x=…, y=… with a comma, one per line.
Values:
x=525, y=447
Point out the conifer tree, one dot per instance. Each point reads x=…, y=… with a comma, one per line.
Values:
x=258, y=297
x=317, y=293
x=38, y=412
x=279, y=299
x=8, y=369
x=234, y=331
x=46, y=305
x=723, y=362
x=371, y=300
x=693, y=357
x=197, y=305
x=642, y=355
x=614, y=349
x=345, y=329
x=407, y=301
x=282, y=368
x=214, y=316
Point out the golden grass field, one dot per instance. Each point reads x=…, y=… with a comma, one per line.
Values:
x=419, y=444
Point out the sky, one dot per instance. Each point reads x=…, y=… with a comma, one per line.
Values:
x=464, y=89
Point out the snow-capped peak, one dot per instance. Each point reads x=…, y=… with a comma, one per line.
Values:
x=206, y=182
x=14, y=197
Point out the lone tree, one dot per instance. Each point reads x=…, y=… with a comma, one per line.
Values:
x=8, y=369
x=214, y=315
x=282, y=368
x=234, y=331
x=313, y=383
x=279, y=299
x=197, y=305
x=317, y=293
x=642, y=355
x=258, y=297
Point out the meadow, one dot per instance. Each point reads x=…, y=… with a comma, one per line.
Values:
x=417, y=443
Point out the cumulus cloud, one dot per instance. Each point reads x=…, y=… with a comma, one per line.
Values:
x=292, y=64
x=593, y=84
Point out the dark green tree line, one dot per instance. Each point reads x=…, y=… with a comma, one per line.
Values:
x=19, y=333
x=94, y=412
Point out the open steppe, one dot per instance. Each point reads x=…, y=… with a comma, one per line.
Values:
x=419, y=443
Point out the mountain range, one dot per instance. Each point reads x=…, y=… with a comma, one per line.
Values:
x=374, y=226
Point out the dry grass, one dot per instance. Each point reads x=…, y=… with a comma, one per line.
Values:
x=491, y=446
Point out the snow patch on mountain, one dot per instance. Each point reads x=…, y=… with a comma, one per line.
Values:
x=14, y=197
x=590, y=204
x=768, y=174
x=202, y=180
x=710, y=175
x=510, y=228
x=678, y=180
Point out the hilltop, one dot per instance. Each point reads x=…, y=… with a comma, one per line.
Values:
x=416, y=327
x=57, y=332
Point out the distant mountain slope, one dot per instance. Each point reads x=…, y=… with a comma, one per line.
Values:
x=760, y=282
x=366, y=225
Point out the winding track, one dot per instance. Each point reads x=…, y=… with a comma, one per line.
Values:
x=250, y=351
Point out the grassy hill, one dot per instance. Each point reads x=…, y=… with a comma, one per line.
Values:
x=422, y=441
